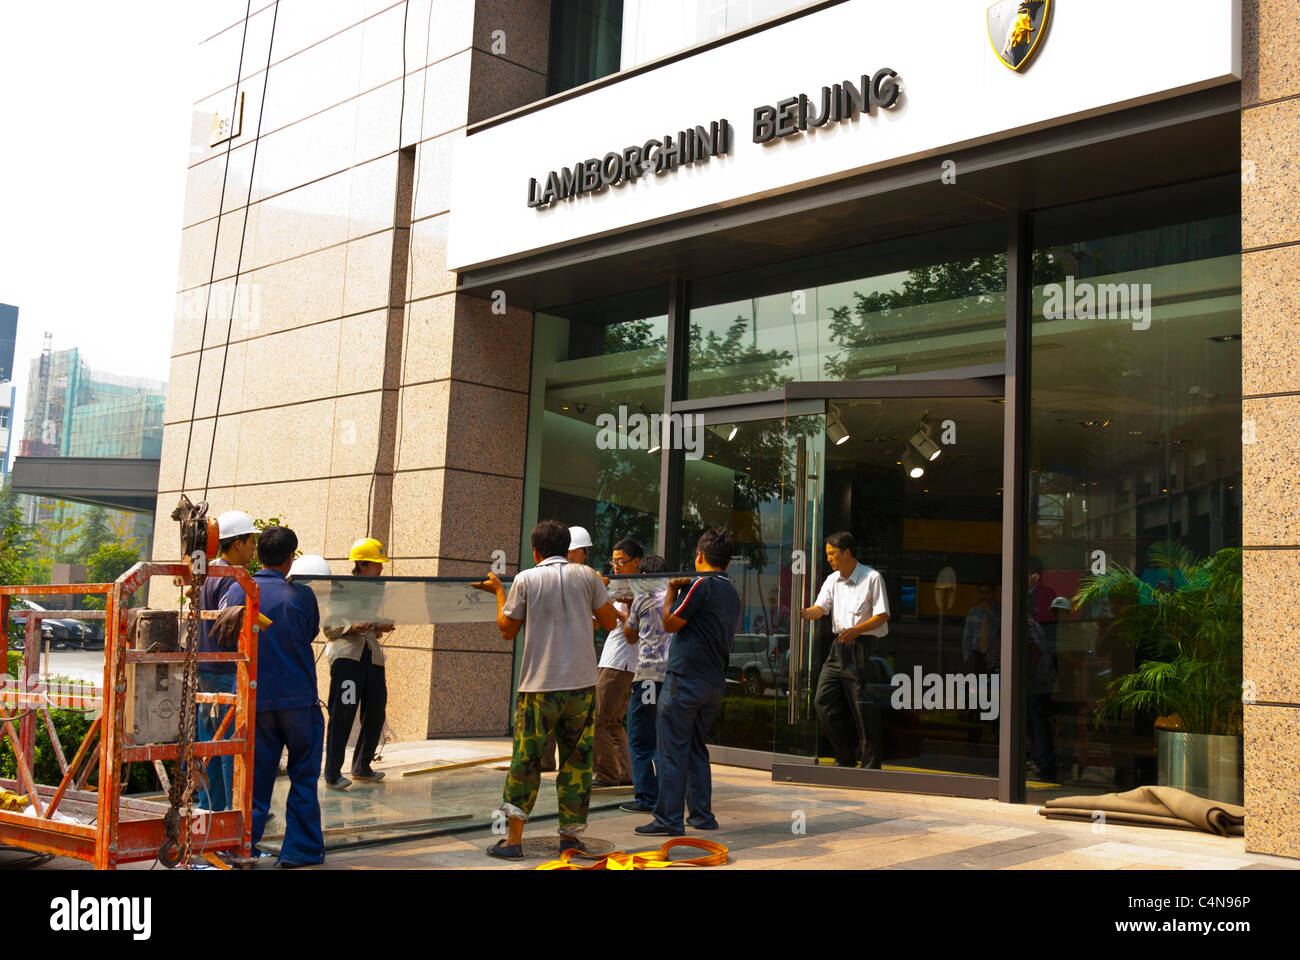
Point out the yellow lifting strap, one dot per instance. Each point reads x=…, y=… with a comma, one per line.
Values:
x=647, y=859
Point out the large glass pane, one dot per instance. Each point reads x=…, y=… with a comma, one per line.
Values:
x=598, y=378
x=738, y=482
x=912, y=305
x=656, y=28
x=917, y=483
x=586, y=42
x=1135, y=485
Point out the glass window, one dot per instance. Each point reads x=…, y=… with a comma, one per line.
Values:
x=912, y=305
x=591, y=39
x=656, y=28
x=739, y=477
x=597, y=389
x=1135, y=494
x=586, y=38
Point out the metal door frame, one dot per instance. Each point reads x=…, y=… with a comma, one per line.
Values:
x=986, y=383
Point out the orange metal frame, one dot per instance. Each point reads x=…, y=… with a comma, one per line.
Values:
x=123, y=830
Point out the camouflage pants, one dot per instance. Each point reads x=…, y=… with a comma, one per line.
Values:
x=567, y=714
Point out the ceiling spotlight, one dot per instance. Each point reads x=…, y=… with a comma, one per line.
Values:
x=835, y=428
x=924, y=444
x=727, y=431
x=913, y=465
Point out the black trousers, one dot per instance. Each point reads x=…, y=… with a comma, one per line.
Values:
x=837, y=702
x=354, y=684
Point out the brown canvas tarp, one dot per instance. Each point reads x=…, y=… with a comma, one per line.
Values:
x=1153, y=806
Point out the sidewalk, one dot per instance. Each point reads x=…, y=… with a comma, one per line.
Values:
x=843, y=829
x=764, y=825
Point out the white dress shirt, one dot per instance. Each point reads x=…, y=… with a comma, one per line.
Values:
x=618, y=653
x=854, y=599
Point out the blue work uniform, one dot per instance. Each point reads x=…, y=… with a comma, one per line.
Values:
x=288, y=715
x=214, y=678
x=692, y=693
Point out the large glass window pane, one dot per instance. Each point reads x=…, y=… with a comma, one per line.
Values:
x=586, y=42
x=656, y=28
x=737, y=480
x=1135, y=486
x=912, y=305
x=598, y=378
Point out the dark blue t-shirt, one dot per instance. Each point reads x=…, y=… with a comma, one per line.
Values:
x=212, y=592
x=702, y=649
x=286, y=666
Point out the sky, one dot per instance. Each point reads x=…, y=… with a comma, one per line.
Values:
x=95, y=119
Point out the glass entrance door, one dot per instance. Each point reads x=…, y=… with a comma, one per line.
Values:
x=915, y=479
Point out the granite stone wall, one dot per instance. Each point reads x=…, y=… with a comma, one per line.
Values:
x=1270, y=220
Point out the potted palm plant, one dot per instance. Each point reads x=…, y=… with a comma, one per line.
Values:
x=1186, y=631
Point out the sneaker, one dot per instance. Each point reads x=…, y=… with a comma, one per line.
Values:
x=372, y=775
x=710, y=824
x=635, y=808
x=339, y=783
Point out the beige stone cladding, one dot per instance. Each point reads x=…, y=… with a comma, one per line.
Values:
x=324, y=370
x=1270, y=219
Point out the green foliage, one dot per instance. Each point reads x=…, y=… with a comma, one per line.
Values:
x=1187, y=634
x=57, y=539
x=254, y=564
x=94, y=534
x=71, y=727
x=17, y=561
x=106, y=564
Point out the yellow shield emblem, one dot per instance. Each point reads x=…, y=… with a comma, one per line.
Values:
x=1015, y=29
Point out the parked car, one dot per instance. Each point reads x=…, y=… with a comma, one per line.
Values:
x=757, y=665
x=82, y=634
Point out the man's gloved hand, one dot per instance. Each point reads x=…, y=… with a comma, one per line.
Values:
x=224, y=631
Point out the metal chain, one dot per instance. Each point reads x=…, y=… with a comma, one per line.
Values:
x=178, y=823
x=189, y=710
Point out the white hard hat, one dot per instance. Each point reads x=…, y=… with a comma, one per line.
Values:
x=235, y=523
x=310, y=565
x=579, y=537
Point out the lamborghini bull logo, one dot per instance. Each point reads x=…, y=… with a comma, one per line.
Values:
x=1015, y=29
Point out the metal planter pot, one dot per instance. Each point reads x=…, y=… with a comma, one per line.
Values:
x=1205, y=765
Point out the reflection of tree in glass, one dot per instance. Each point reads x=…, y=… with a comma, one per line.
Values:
x=624, y=470
x=746, y=368
x=760, y=445
x=630, y=335
x=961, y=289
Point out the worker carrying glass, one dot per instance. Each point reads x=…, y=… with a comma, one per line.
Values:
x=357, y=682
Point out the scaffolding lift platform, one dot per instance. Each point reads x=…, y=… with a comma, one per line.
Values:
x=98, y=824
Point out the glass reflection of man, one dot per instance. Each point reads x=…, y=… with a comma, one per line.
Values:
x=854, y=596
x=981, y=648
x=982, y=636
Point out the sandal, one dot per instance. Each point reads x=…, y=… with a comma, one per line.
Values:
x=506, y=851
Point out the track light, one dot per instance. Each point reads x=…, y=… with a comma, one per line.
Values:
x=924, y=444
x=913, y=465
x=835, y=428
x=727, y=431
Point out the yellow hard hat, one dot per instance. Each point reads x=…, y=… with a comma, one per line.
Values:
x=367, y=550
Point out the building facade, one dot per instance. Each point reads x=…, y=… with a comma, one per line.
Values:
x=8, y=337
x=73, y=411
x=959, y=278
